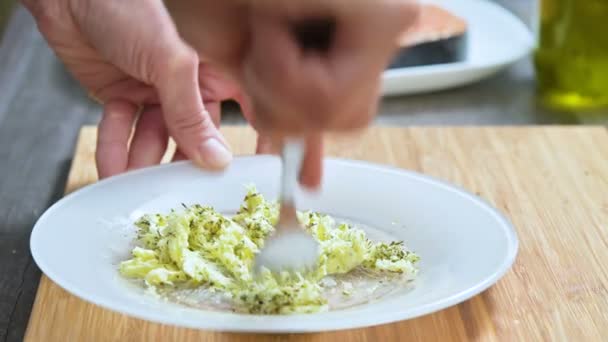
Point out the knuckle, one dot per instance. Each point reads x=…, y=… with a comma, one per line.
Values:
x=184, y=58
x=116, y=122
x=192, y=123
x=119, y=111
x=359, y=121
x=46, y=13
x=173, y=61
x=151, y=128
x=323, y=113
x=354, y=120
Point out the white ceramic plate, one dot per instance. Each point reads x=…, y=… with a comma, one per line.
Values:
x=465, y=245
x=496, y=39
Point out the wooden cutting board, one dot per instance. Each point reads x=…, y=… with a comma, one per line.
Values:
x=552, y=182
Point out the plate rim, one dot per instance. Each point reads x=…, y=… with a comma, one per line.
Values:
x=285, y=324
x=394, y=75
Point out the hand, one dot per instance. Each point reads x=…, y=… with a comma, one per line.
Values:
x=129, y=56
x=294, y=88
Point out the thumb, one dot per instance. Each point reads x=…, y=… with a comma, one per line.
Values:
x=120, y=30
x=189, y=123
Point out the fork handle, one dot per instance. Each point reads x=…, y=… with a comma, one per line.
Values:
x=292, y=156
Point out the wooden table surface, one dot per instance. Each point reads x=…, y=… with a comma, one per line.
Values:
x=552, y=182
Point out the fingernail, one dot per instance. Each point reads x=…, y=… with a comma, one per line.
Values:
x=214, y=154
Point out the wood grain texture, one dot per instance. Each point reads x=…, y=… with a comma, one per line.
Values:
x=551, y=181
x=40, y=115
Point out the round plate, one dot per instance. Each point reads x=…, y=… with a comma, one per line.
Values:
x=496, y=39
x=465, y=245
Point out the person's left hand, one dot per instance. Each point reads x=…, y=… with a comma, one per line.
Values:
x=152, y=84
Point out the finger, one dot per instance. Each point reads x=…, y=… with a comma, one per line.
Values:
x=161, y=58
x=265, y=145
x=312, y=165
x=178, y=156
x=244, y=102
x=213, y=89
x=189, y=123
x=334, y=89
x=216, y=85
x=113, y=135
x=214, y=112
x=216, y=29
x=269, y=76
x=214, y=108
x=127, y=89
x=357, y=61
x=150, y=139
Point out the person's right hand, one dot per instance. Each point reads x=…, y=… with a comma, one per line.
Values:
x=292, y=88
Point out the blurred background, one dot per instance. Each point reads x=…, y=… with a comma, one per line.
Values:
x=29, y=70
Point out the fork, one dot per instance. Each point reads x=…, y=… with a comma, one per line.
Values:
x=290, y=247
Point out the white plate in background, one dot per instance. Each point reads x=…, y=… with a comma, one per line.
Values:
x=496, y=39
x=464, y=244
